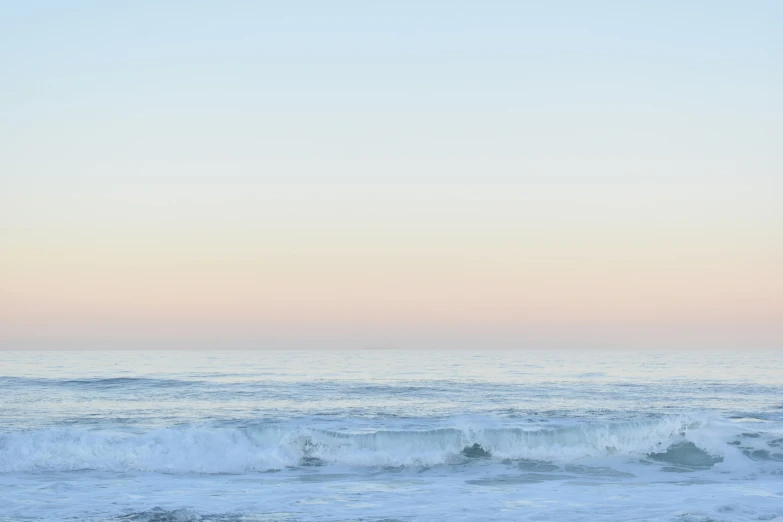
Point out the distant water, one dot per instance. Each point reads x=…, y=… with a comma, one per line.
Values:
x=382, y=435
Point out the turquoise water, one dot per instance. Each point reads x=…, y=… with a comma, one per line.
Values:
x=391, y=435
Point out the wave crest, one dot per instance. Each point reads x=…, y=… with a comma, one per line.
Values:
x=197, y=449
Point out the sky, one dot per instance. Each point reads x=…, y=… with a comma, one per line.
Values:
x=391, y=174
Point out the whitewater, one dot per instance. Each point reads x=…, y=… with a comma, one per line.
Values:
x=383, y=435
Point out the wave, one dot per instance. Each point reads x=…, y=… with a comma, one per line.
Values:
x=99, y=382
x=677, y=441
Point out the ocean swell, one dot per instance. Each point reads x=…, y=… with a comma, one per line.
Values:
x=202, y=449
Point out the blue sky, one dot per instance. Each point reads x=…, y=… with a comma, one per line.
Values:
x=529, y=89
x=628, y=149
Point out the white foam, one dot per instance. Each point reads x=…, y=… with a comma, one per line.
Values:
x=201, y=449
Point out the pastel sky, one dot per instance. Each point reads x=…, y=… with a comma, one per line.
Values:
x=412, y=174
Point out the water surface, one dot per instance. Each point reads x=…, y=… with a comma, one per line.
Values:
x=391, y=435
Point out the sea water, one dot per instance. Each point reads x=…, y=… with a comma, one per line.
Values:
x=388, y=435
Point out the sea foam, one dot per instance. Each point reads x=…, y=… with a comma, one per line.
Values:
x=213, y=449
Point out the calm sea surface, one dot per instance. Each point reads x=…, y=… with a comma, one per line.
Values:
x=391, y=435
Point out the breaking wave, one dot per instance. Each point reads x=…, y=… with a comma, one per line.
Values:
x=197, y=449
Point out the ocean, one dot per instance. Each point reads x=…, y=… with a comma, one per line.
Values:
x=391, y=435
